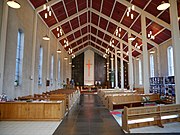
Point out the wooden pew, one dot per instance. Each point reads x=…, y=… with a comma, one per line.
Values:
x=35, y=110
x=139, y=90
x=68, y=95
x=59, y=97
x=130, y=99
x=29, y=97
x=135, y=113
x=167, y=110
x=136, y=116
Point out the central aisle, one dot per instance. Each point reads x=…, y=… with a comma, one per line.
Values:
x=89, y=117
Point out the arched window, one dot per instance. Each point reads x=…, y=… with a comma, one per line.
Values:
x=151, y=65
x=40, y=66
x=52, y=69
x=59, y=70
x=19, y=57
x=170, y=61
x=140, y=72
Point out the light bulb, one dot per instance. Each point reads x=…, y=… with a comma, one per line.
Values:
x=119, y=35
x=127, y=14
x=50, y=13
x=48, y=8
x=46, y=15
x=129, y=9
x=44, y=7
x=132, y=16
x=133, y=7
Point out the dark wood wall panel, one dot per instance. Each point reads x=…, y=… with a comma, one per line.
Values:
x=126, y=75
x=78, y=69
x=126, y=82
x=99, y=69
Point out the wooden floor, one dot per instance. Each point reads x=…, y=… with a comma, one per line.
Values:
x=89, y=117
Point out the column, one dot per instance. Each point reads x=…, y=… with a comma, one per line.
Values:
x=130, y=64
x=158, y=63
x=145, y=55
x=176, y=46
x=112, y=71
x=116, y=69
x=107, y=64
x=31, y=91
x=48, y=62
x=122, y=68
x=57, y=65
x=3, y=43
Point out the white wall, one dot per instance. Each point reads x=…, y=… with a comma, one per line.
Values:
x=162, y=62
x=163, y=57
x=1, y=14
x=23, y=18
x=136, y=67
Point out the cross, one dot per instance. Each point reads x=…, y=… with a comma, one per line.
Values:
x=88, y=65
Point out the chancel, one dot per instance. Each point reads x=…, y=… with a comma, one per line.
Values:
x=91, y=67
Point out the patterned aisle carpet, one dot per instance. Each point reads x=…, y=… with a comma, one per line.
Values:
x=117, y=114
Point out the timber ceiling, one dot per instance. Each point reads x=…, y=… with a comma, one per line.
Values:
x=94, y=23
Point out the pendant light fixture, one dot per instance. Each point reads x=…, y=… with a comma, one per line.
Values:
x=129, y=13
x=13, y=4
x=73, y=56
x=163, y=6
x=131, y=38
x=46, y=38
x=58, y=51
x=152, y=52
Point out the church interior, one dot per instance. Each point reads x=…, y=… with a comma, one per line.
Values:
x=87, y=67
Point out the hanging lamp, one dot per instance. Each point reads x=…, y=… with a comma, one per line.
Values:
x=13, y=4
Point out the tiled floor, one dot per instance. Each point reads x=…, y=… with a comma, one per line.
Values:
x=27, y=128
x=89, y=117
